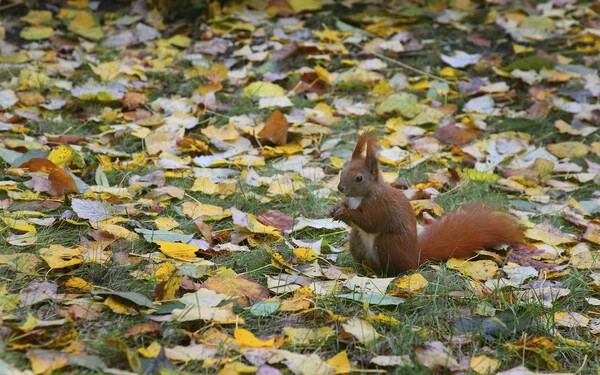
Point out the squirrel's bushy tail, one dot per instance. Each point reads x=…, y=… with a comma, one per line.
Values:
x=460, y=233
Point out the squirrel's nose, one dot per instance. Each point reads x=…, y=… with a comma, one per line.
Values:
x=340, y=187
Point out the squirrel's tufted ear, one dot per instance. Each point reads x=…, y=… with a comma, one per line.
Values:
x=360, y=145
x=371, y=161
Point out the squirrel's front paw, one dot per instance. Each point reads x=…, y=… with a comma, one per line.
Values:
x=337, y=213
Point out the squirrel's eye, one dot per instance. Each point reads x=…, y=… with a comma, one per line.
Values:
x=358, y=178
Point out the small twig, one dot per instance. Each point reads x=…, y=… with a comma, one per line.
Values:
x=582, y=365
x=8, y=6
x=258, y=269
x=408, y=67
x=216, y=113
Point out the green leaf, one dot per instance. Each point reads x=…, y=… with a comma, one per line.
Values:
x=405, y=104
x=164, y=235
x=530, y=63
x=264, y=308
x=9, y=156
x=37, y=32
x=137, y=298
x=372, y=299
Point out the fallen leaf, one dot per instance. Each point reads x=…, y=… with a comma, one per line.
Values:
x=275, y=130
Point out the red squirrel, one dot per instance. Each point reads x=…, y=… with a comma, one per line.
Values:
x=384, y=228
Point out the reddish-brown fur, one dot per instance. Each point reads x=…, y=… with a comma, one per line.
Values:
x=384, y=230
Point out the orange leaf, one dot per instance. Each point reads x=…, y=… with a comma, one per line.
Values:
x=276, y=129
x=61, y=182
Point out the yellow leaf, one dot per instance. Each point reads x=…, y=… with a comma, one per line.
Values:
x=340, y=363
x=26, y=195
x=336, y=162
x=278, y=261
x=180, y=40
x=204, y=185
x=323, y=74
x=595, y=148
x=79, y=4
x=94, y=33
x=305, y=5
x=549, y=234
x=260, y=228
x=217, y=315
x=119, y=307
x=37, y=17
x=410, y=284
x=263, y=89
x=170, y=289
x=568, y=149
x=61, y=155
x=164, y=271
x=117, y=231
x=151, y=351
x=480, y=269
x=204, y=211
x=13, y=57
x=45, y=362
x=570, y=319
x=576, y=343
x=420, y=205
x=34, y=80
x=565, y=128
x=83, y=20
x=305, y=254
x=449, y=72
x=361, y=329
x=586, y=260
x=476, y=175
x=518, y=49
x=37, y=32
x=289, y=149
x=384, y=319
x=224, y=133
x=79, y=283
x=58, y=256
x=178, y=250
x=166, y=223
x=29, y=324
x=107, y=71
x=8, y=185
x=420, y=86
x=305, y=336
x=243, y=337
x=484, y=365
x=282, y=186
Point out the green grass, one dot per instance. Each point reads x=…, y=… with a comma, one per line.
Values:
x=448, y=308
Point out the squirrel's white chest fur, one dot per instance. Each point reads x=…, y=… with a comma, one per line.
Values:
x=368, y=239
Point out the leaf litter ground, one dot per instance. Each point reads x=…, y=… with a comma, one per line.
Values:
x=165, y=188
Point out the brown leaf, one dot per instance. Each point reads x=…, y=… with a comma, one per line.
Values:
x=277, y=219
x=243, y=289
x=76, y=312
x=539, y=110
x=69, y=139
x=143, y=328
x=60, y=181
x=454, y=135
x=479, y=40
x=285, y=52
x=205, y=229
x=133, y=100
x=524, y=254
x=592, y=232
x=276, y=129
